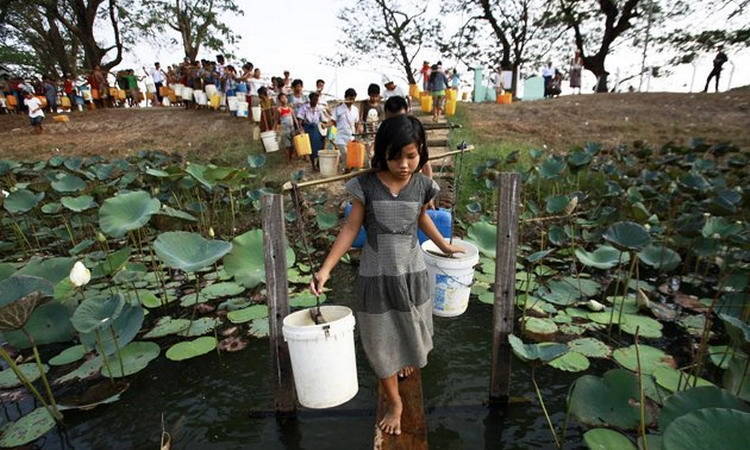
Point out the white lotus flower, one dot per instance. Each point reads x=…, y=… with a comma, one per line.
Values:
x=4, y=193
x=211, y=233
x=79, y=275
x=594, y=305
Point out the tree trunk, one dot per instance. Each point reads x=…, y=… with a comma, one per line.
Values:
x=514, y=88
x=595, y=64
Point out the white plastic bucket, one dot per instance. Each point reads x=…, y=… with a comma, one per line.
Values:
x=323, y=359
x=256, y=113
x=452, y=276
x=269, y=141
x=200, y=98
x=242, y=109
x=232, y=103
x=187, y=93
x=329, y=162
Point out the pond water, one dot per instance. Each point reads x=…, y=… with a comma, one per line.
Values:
x=206, y=402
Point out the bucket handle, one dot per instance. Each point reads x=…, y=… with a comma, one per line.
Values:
x=454, y=278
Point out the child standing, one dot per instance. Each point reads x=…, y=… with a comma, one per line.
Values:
x=438, y=85
x=36, y=115
x=346, y=118
x=285, y=122
x=393, y=293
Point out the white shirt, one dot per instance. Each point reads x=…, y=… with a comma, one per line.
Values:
x=548, y=72
x=34, y=103
x=157, y=75
x=345, y=119
x=397, y=91
x=253, y=84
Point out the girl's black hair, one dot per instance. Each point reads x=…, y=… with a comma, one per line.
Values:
x=297, y=82
x=396, y=133
x=262, y=91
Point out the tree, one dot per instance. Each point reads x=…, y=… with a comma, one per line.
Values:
x=82, y=17
x=596, y=25
x=196, y=21
x=386, y=31
x=503, y=34
x=35, y=41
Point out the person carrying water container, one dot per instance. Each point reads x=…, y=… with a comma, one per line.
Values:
x=438, y=84
x=346, y=118
x=393, y=293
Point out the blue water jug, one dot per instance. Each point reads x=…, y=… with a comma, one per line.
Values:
x=441, y=217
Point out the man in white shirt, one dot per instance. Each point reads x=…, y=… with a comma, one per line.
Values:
x=391, y=90
x=346, y=117
x=159, y=77
x=547, y=73
x=36, y=115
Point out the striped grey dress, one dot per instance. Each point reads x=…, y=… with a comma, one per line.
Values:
x=393, y=294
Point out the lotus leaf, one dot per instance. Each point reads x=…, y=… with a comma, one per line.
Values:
x=693, y=324
x=127, y=212
x=557, y=235
x=28, y=428
x=557, y=203
x=720, y=355
x=579, y=159
x=234, y=304
x=198, y=171
x=474, y=207
x=226, y=289
x=738, y=331
x=571, y=362
x=166, y=326
x=135, y=357
x=709, y=428
x=49, y=323
x=737, y=377
x=89, y=368
x=484, y=236
x=51, y=208
x=591, y=347
x=259, y=328
x=21, y=201
x=8, y=378
x=67, y=356
x=695, y=182
x=627, y=236
x=6, y=270
x=646, y=326
x=661, y=258
x=68, y=183
x=606, y=439
x=18, y=287
x=604, y=257
x=51, y=269
x=675, y=380
x=191, y=349
x=721, y=227
x=610, y=400
x=189, y=251
x=248, y=314
x=245, y=262
x=552, y=167
x=112, y=263
x=78, y=204
x=176, y=213
x=125, y=327
x=539, y=326
x=256, y=161
x=696, y=398
x=97, y=313
x=305, y=299
x=537, y=353
x=200, y=327
x=82, y=246
x=651, y=358
x=326, y=220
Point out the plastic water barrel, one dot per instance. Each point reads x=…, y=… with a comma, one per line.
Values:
x=450, y=107
x=355, y=155
x=413, y=91
x=453, y=277
x=301, y=144
x=269, y=141
x=441, y=217
x=324, y=363
x=426, y=103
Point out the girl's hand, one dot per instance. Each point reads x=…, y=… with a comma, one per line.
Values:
x=449, y=249
x=318, y=281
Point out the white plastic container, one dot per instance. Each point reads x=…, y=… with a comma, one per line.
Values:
x=323, y=360
x=232, y=103
x=177, y=88
x=200, y=98
x=210, y=90
x=187, y=94
x=242, y=109
x=453, y=277
x=256, y=113
x=329, y=162
x=269, y=141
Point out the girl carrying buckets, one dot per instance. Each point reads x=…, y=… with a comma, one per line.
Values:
x=393, y=294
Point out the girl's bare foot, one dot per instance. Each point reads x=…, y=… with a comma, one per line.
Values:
x=405, y=372
x=391, y=421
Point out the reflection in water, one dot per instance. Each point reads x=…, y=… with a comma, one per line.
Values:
x=207, y=402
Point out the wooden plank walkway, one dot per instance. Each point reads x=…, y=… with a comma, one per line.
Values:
x=413, y=424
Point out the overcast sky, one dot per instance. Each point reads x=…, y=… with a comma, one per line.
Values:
x=294, y=34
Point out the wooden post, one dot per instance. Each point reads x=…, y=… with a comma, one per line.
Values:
x=505, y=281
x=277, y=286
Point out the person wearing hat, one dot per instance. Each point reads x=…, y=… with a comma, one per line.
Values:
x=391, y=90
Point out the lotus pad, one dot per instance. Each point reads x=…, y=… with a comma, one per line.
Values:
x=650, y=357
x=126, y=212
x=707, y=429
x=543, y=352
x=189, y=251
x=247, y=314
x=627, y=236
x=606, y=439
x=676, y=380
x=661, y=258
x=591, y=347
x=69, y=355
x=571, y=362
x=539, y=326
x=604, y=257
x=28, y=428
x=696, y=398
x=135, y=357
x=610, y=400
x=8, y=378
x=245, y=262
x=191, y=349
